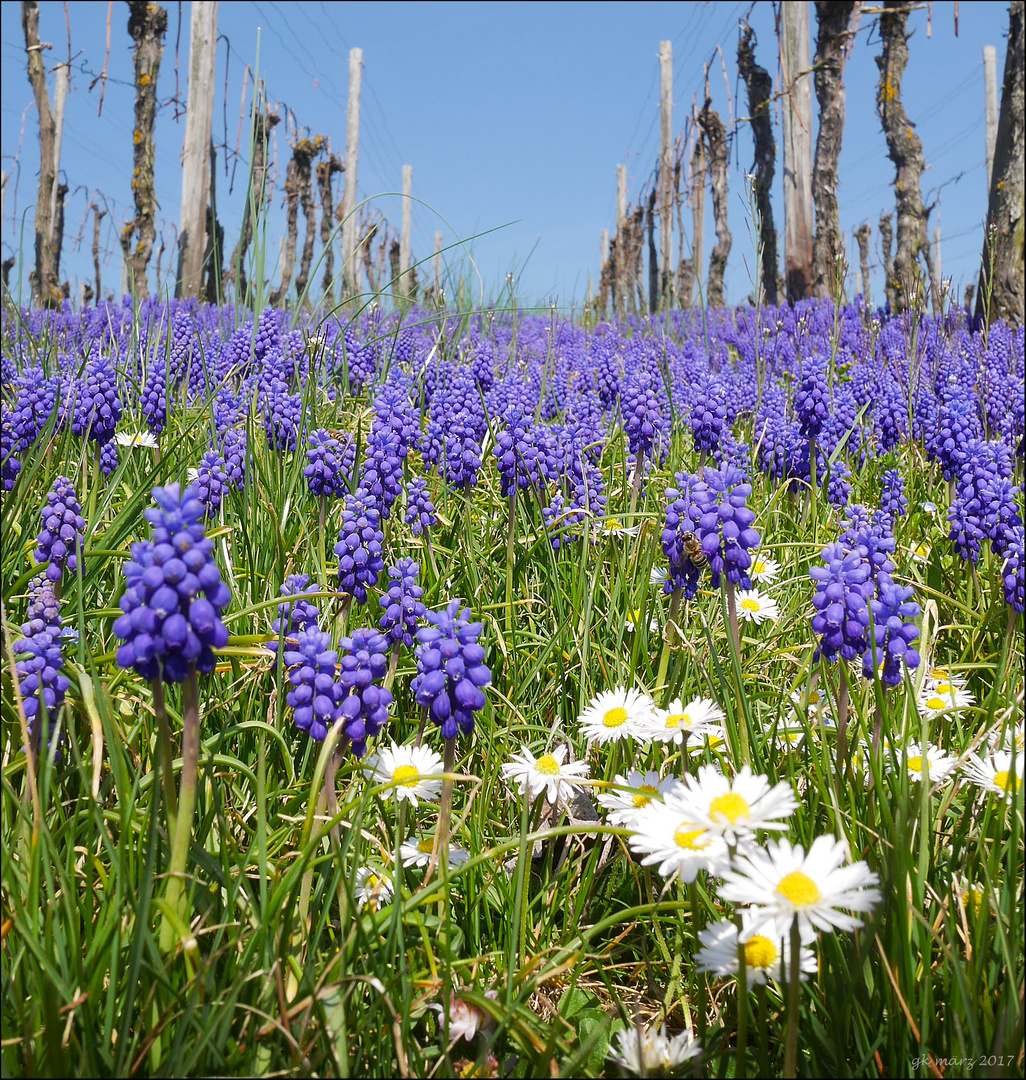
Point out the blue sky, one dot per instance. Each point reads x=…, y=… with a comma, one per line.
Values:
x=513, y=117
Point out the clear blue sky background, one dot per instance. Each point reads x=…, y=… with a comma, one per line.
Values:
x=511, y=115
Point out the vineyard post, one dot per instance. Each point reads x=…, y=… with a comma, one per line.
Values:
x=798, y=206
x=351, y=271
x=62, y=80
x=990, y=81
x=404, y=245
x=199, y=118
x=665, y=171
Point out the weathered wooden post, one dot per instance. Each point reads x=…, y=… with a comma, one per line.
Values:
x=798, y=203
x=665, y=171
x=351, y=269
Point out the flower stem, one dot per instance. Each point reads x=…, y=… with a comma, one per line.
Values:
x=842, y=720
x=639, y=465
x=166, y=753
x=177, y=894
x=510, y=544
x=791, y=1039
x=669, y=639
x=702, y=989
x=321, y=518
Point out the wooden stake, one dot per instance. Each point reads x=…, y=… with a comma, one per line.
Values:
x=990, y=80
x=622, y=284
x=404, y=244
x=351, y=270
x=665, y=170
x=62, y=80
x=798, y=205
x=196, y=148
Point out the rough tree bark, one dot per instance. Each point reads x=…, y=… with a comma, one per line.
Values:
x=1002, y=268
x=393, y=262
x=213, y=254
x=147, y=24
x=307, y=150
x=716, y=134
x=862, y=238
x=291, y=230
x=653, y=255
x=637, y=226
x=325, y=171
x=46, y=289
x=98, y=215
x=759, y=84
x=263, y=124
x=834, y=18
x=887, y=246
x=905, y=149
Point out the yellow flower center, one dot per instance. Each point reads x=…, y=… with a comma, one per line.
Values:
x=943, y=688
x=813, y=698
x=547, y=765
x=748, y=604
x=371, y=882
x=643, y=800
x=614, y=718
x=973, y=895
x=915, y=765
x=687, y=837
x=1007, y=780
x=730, y=806
x=759, y=567
x=406, y=775
x=612, y=523
x=936, y=703
x=678, y=720
x=425, y=846
x=760, y=952
x=798, y=889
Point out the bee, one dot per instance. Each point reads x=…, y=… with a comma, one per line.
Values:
x=693, y=549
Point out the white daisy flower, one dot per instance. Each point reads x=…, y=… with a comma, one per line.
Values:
x=668, y=834
x=612, y=526
x=623, y=805
x=913, y=758
x=944, y=697
x=413, y=772
x=136, y=438
x=372, y=889
x=754, y=606
x=763, y=569
x=1006, y=738
x=657, y=575
x=633, y=617
x=811, y=702
x=680, y=722
x=920, y=552
x=648, y=1052
x=786, y=883
x=996, y=772
x=788, y=738
x=549, y=773
x=615, y=714
x=416, y=852
x=735, y=808
x=943, y=677
x=765, y=957
x=192, y=475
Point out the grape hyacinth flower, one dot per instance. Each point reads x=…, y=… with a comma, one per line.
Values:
x=404, y=609
x=60, y=541
x=316, y=693
x=420, y=510
x=725, y=527
x=326, y=474
x=687, y=504
x=359, y=547
x=892, y=634
x=893, y=501
x=211, y=481
x=174, y=599
x=295, y=616
x=10, y=466
x=382, y=472
x=843, y=591
x=1012, y=576
x=451, y=674
x=364, y=711
x=98, y=407
x=42, y=686
x=708, y=420
x=812, y=400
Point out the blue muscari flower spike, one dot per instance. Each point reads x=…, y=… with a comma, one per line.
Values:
x=420, y=510
x=327, y=475
x=891, y=643
x=293, y=616
x=893, y=501
x=42, y=686
x=382, y=473
x=725, y=527
x=360, y=540
x=838, y=488
x=812, y=400
x=402, y=604
x=60, y=541
x=451, y=674
x=316, y=693
x=1012, y=573
x=98, y=407
x=844, y=588
x=364, y=704
x=10, y=466
x=37, y=398
x=708, y=419
x=686, y=505
x=211, y=481
x=174, y=599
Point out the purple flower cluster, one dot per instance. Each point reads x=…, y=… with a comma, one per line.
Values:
x=1012, y=573
x=844, y=588
x=688, y=503
x=364, y=705
x=404, y=609
x=60, y=540
x=891, y=649
x=330, y=466
x=709, y=418
x=10, y=466
x=316, y=693
x=359, y=547
x=172, y=606
x=812, y=399
x=98, y=407
x=381, y=477
x=642, y=410
x=294, y=616
x=725, y=527
x=893, y=501
x=420, y=510
x=211, y=481
x=42, y=685
x=451, y=674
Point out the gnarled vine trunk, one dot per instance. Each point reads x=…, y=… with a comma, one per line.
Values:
x=716, y=137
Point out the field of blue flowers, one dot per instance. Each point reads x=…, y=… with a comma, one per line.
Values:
x=499, y=694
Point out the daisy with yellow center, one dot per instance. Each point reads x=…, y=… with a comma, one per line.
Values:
x=735, y=808
x=783, y=883
x=679, y=722
x=764, y=570
x=756, y=607
x=136, y=438
x=416, y=852
x=649, y=1052
x=633, y=793
x=372, y=889
x=765, y=957
x=811, y=702
x=669, y=834
x=917, y=760
x=1009, y=737
x=410, y=772
x=943, y=697
x=551, y=773
x=999, y=772
x=615, y=714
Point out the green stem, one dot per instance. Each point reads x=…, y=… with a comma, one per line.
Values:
x=321, y=546
x=740, y=1057
x=791, y=1039
x=702, y=988
x=735, y=648
x=639, y=466
x=177, y=893
x=669, y=640
x=842, y=720
x=166, y=754
x=510, y=545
